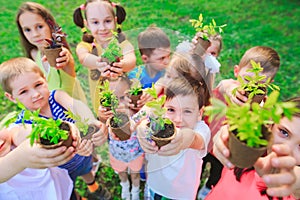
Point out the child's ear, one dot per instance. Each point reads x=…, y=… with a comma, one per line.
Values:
x=10, y=97
x=144, y=58
x=201, y=110
x=236, y=70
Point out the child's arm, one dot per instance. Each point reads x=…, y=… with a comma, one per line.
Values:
x=26, y=156
x=129, y=59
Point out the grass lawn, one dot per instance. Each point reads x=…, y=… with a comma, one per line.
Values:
x=249, y=23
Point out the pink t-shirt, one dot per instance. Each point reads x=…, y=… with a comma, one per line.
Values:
x=248, y=188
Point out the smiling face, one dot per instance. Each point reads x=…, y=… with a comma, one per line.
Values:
x=100, y=21
x=288, y=132
x=31, y=90
x=5, y=142
x=35, y=29
x=183, y=111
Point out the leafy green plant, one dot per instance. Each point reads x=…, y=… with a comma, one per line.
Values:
x=113, y=51
x=81, y=124
x=107, y=96
x=247, y=120
x=136, y=87
x=207, y=30
x=56, y=35
x=255, y=84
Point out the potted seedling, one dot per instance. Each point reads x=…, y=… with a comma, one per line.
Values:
x=248, y=125
x=107, y=96
x=119, y=123
x=255, y=85
x=135, y=92
x=48, y=132
x=55, y=44
x=205, y=31
x=161, y=129
x=86, y=130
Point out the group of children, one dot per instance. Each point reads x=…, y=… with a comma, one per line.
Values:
x=172, y=171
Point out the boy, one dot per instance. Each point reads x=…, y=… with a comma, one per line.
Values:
x=154, y=46
x=174, y=170
x=23, y=81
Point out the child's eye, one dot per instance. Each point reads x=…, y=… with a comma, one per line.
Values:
x=283, y=132
x=38, y=84
x=170, y=110
x=108, y=21
x=40, y=26
x=26, y=29
x=22, y=92
x=187, y=111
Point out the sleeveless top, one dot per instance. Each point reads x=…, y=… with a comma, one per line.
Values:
x=57, y=111
x=59, y=79
x=94, y=84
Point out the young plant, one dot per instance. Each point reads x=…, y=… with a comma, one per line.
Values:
x=107, y=96
x=81, y=124
x=57, y=35
x=207, y=30
x=248, y=120
x=113, y=51
x=136, y=87
x=255, y=84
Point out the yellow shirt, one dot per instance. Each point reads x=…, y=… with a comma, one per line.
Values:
x=94, y=84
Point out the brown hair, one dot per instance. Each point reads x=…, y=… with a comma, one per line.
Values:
x=79, y=20
x=191, y=66
x=184, y=87
x=152, y=38
x=266, y=56
x=45, y=14
x=218, y=38
x=11, y=69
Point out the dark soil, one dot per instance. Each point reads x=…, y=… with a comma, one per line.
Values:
x=124, y=119
x=91, y=130
x=167, y=132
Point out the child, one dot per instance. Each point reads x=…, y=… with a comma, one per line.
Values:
x=34, y=29
x=22, y=182
x=250, y=183
x=124, y=155
x=23, y=80
x=101, y=19
x=269, y=61
x=154, y=46
x=174, y=170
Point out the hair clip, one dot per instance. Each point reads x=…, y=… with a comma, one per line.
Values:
x=83, y=30
x=119, y=26
x=113, y=4
x=82, y=7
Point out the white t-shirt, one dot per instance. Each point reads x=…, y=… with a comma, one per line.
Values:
x=36, y=184
x=178, y=176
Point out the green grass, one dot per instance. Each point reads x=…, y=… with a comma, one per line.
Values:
x=249, y=23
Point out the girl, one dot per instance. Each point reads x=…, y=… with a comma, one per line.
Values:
x=126, y=154
x=250, y=183
x=33, y=29
x=101, y=19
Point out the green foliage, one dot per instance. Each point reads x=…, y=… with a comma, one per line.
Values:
x=107, y=96
x=113, y=50
x=255, y=84
x=81, y=124
x=249, y=119
x=207, y=29
x=136, y=86
x=152, y=92
x=47, y=129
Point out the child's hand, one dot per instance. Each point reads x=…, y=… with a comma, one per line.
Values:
x=277, y=170
x=174, y=147
x=227, y=86
x=147, y=145
x=103, y=67
x=116, y=69
x=63, y=59
x=220, y=148
x=38, y=157
x=100, y=137
x=85, y=148
x=104, y=114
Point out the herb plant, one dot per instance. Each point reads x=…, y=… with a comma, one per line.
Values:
x=57, y=35
x=113, y=51
x=247, y=120
x=207, y=30
x=255, y=84
x=136, y=87
x=107, y=96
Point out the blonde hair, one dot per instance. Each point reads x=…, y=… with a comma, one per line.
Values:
x=11, y=69
x=266, y=56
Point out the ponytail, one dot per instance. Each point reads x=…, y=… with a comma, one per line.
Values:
x=121, y=16
x=79, y=21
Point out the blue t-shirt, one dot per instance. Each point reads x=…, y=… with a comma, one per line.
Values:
x=145, y=79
